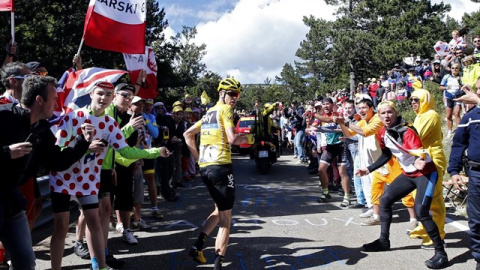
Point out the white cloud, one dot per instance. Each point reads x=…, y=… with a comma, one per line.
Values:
x=255, y=39
x=459, y=7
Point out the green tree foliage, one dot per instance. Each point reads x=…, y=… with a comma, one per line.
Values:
x=367, y=38
x=50, y=32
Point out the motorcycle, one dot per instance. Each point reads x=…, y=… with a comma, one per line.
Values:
x=265, y=154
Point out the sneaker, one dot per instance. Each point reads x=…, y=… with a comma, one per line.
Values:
x=367, y=214
x=114, y=262
x=345, y=203
x=358, y=205
x=438, y=261
x=119, y=227
x=129, y=238
x=324, y=197
x=197, y=255
x=108, y=268
x=139, y=225
x=377, y=245
x=411, y=226
x=156, y=214
x=81, y=250
x=430, y=247
x=371, y=222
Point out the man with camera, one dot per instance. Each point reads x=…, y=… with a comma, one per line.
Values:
x=26, y=145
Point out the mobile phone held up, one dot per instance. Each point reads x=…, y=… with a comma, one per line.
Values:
x=460, y=94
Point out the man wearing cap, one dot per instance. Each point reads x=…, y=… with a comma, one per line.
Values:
x=214, y=156
x=437, y=72
x=179, y=148
x=164, y=165
x=82, y=179
x=149, y=164
x=26, y=144
x=37, y=69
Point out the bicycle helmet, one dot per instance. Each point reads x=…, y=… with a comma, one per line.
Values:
x=229, y=84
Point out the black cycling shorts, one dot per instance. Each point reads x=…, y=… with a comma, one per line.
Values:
x=106, y=184
x=335, y=150
x=61, y=202
x=221, y=185
x=148, y=166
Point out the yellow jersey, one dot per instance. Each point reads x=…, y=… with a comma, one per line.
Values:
x=214, y=146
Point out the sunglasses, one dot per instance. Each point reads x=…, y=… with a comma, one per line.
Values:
x=417, y=100
x=233, y=94
x=126, y=96
x=21, y=76
x=42, y=73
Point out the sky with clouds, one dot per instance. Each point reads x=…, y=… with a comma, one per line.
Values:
x=252, y=39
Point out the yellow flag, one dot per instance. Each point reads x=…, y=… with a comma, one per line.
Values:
x=205, y=99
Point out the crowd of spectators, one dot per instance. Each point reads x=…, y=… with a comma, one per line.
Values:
x=321, y=133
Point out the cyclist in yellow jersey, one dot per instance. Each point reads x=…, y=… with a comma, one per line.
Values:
x=214, y=158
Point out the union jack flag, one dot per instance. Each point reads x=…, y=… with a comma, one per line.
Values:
x=74, y=86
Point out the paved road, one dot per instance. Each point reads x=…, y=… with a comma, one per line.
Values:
x=277, y=224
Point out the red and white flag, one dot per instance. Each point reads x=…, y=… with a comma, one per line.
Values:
x=116, y=25
x=6, y=5
x=74, y=87
x=136, y=63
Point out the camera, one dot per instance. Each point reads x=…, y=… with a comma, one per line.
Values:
x=459, y=94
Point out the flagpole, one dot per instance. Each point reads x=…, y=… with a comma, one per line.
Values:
x=145, y=63
x=12, y=14
x=80, y=47
x=78, y=53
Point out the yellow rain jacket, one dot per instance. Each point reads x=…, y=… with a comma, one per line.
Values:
x=429, y=128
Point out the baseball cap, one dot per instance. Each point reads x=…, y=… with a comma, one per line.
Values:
x=318, y=103
x=103, y=84
x=149, y=101
x=137, y=99
x=177, y=109
x=33, y=65
x=158, y=104
x=125, y=87
x=188, y=110
x=177, y=103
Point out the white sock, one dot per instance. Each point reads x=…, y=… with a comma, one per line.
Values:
x=413, y=219
x=376, y=216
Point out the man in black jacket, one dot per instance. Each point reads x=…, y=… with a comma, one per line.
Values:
x=26, y=143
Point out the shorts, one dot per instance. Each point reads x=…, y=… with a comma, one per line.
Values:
x=450, y=103
x=148, y=166
x=333, y=151
x=220, y=184
x=106, y=184
x=61, y=202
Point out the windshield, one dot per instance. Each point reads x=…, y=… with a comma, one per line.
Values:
x=246, y=123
